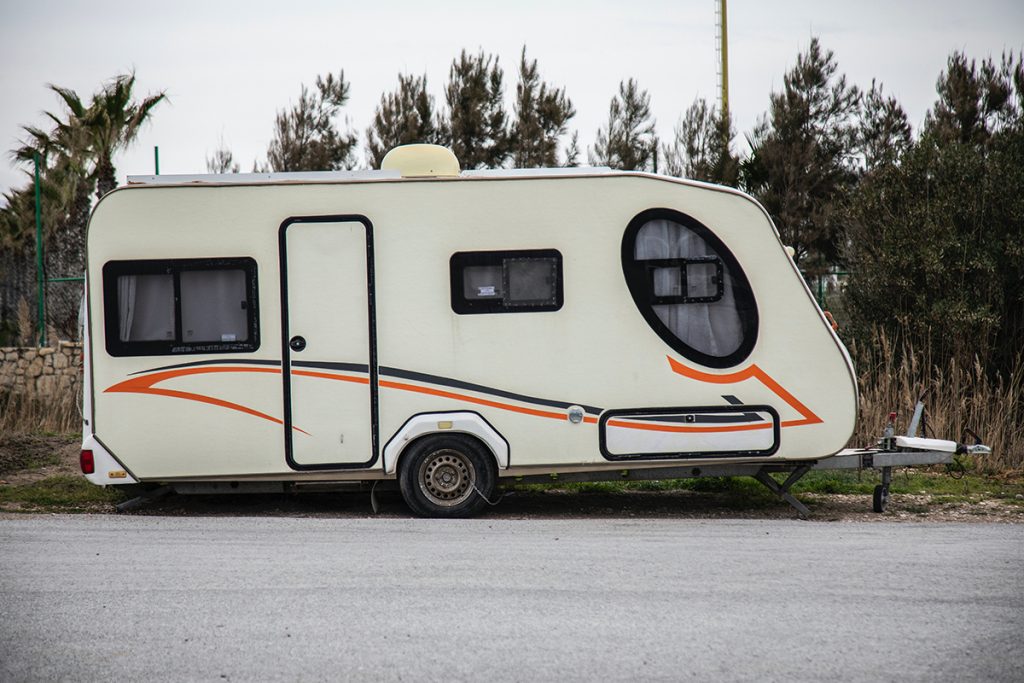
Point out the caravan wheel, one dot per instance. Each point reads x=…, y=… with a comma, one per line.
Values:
x=447, y=476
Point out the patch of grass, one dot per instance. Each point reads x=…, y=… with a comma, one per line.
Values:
x=837, y=482
x=20, y=451
x=63, y=492
x=943, y=488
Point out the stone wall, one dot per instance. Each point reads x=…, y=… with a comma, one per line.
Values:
x=43, y=372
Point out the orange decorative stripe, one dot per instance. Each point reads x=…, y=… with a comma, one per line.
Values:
x=809, y=418
x=471, y=399
x=144, y=385
x=324, y=375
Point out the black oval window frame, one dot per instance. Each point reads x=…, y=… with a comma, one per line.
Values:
x=639, y=289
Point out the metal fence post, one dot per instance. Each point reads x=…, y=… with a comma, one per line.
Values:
x=40, y=295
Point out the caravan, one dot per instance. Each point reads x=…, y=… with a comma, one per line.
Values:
x=448, y=330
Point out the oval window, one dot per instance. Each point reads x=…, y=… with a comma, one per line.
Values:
x=689, y=288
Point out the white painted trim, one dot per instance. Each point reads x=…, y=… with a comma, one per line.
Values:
x=250, y=178
x=105, y=464
x=428, y=423
x=536, y=172
x=940, y=445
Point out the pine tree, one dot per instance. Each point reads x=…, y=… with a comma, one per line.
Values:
x=974, y=104
x=700, y=148
x=541, y=116
x=802, y=157
x=306, y=136
x=403, y=117
x=222, y=161
x=884, y=132
x=934, y=242
x=627, y=141
x=572, y=151
x=475, y=122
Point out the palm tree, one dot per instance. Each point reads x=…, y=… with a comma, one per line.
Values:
x=65, y=155
x=76, y=158
x=113, y=121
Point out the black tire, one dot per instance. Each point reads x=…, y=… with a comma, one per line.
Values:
x=880, y=498
x=449, y=475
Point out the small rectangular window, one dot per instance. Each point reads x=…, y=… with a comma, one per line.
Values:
x=698, y=280
x=506, y=281
x=178, y=306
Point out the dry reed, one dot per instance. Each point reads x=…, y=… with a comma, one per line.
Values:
x=893, y=377
x=29, y=415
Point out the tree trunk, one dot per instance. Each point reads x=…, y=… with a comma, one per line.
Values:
x=106, y=178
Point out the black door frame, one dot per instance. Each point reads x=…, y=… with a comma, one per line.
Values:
x=286, y=349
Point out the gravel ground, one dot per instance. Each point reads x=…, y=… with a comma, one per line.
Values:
x=109, y=598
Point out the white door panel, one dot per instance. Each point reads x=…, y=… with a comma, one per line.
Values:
x=328, y=354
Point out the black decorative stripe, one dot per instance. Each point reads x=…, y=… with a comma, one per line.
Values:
x=324, y=365
x=273, y=363
x=391, y=372
x=700, y=418
x=729, y=398
x=468, y=386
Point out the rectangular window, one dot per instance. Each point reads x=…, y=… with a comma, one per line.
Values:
x=156, y=308
x=506, y=281
x=685, y=280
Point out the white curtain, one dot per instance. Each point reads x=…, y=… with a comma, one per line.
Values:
x=711, y=328
x=145, y=307
x=125, y=305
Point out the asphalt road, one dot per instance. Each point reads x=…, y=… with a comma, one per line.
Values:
x=214, y=599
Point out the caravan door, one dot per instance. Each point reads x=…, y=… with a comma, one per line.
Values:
x=328, y=364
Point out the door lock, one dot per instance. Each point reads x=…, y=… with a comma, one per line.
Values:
x=297, y=343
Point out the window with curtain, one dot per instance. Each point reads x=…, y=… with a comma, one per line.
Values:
x=180, y=306
x=689, y=287
x=506, y=281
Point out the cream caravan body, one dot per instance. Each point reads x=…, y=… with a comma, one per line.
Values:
x=317, y=326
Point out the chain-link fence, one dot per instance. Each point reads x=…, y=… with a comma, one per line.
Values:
x=63, y=298
x=20, y=321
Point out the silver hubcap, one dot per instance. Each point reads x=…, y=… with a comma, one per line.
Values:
x=446, y=477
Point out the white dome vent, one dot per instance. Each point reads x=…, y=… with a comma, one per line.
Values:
x=421, y=161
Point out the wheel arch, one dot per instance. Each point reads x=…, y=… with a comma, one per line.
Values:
x=425, y=425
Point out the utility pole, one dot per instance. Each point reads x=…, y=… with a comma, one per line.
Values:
x=723, y=54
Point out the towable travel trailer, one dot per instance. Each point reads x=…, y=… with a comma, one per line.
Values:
x=449, y=330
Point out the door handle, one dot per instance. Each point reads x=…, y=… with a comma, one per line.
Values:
x=297, y=343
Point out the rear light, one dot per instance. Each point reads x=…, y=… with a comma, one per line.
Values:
x=87, y=462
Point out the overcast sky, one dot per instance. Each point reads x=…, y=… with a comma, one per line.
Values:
x=228, y=66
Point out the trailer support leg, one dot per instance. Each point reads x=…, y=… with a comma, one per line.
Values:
x=880, y=499
x=782, y=490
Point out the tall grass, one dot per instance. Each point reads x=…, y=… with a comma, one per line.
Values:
x=894, y=376
x=24, y=414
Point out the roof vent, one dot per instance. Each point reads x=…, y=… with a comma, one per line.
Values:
x=421, y=161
